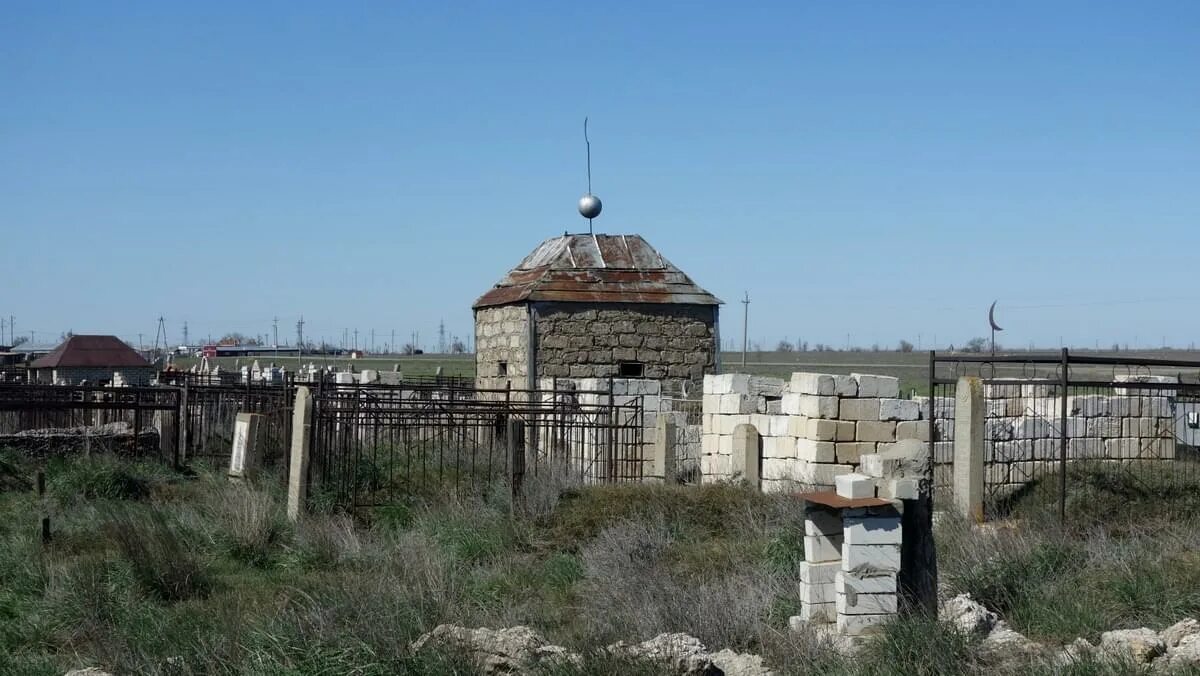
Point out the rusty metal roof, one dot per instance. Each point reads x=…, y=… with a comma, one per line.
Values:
x=589, y=268
x=91, y=351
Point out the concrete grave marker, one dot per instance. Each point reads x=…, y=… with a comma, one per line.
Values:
x=245, y=456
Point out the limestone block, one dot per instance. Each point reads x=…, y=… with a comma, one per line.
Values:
x=822, y=522
x=818, y=612
x=730, y=383
x=868, y=560
x=770, y=449
x=813, y=383
x=822, y=430
x=899, y=409
x=912, y=429
x=708, y=443
x=821, y=474
x=1147, y=427
x=778, y=486
x=737, y=404
x=779, y=469
x=761, y=422
x=907, y=459
x=725, y=444
x=845, y=386
x=1076, y=426
x=814, y=406
x=1104, y=428
x=875, y=430
x=859, y=409
x=998, y=429
x=849, y=452
x=1031, y=427
x=1047, y=449
x=877, y=386
x=822, y=548
x=765, y=386
x=1085, y=448
x=1156, y=407
x=871, y=530
x=998, y=408
x=728, y=423
x=1123, y=406
x=855, y=486
x=1122, y=448
x=790, y=404
x=817, y=593
x=1164, y=449
x=1030, y=390
x=778, y=426
x=1024, y=472
x=1088, y=405
x=797, y=425
x=866, y=604
x=815, y=451
x=862, y=625
x=899, y=489
x=820, y=573
x=999, y=389
x=848, y=583
x=846, y=430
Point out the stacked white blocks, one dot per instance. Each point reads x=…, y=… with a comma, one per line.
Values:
x=1024, y=425
x=852, y=580
x=824, y=425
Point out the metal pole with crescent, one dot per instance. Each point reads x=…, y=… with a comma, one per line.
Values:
x=995, y=327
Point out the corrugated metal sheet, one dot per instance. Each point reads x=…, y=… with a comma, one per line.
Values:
x=596, y=269
x=91, y=351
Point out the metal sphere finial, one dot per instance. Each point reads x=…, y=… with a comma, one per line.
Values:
x=590, y=206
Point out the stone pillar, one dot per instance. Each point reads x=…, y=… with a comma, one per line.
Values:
x=664, y=449
x=301, y=442
x=865, y=587
x=822, y=561
x=166, y=423
x=747, y=455
x=969, y=417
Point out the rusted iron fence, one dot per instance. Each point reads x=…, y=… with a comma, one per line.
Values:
x=42, y=420
x=211, y=411
x=1048, y=418
x=375, y=445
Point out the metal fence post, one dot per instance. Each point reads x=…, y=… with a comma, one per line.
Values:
x=1062, y=450
x=516, y=451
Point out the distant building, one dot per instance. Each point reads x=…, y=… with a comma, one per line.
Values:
x=94, y=360
x=588, y=306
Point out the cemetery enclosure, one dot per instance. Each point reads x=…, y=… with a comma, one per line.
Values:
x=381, y=444
x=1112, y=413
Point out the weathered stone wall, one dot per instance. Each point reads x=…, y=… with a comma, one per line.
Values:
x=675, y=343
x=502, y=335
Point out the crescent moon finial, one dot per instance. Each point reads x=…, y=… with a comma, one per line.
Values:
x=992, y=317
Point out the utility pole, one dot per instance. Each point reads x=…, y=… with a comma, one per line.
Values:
x=442, y=337
x=392, y=343
x=372, y=341
x=275, y=333
x=139, y=341
x=355, y=340
x=745, y=327
x=185, y=334
x=299, y=339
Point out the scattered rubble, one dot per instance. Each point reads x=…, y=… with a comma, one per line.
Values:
x=518, y=649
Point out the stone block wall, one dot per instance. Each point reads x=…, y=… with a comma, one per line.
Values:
x=502, y=335
x=675, y=343
x=1023, y=427
x=74, y=375
x=813, y=428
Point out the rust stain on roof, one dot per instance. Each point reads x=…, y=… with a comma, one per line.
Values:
x=596, y=269
x=91, y=351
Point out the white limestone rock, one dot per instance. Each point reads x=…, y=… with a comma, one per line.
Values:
x=1138, y=645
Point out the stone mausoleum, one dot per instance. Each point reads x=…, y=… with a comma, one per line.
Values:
x=596, y=306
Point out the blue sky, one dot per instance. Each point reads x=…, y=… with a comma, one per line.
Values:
x=878, y=170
